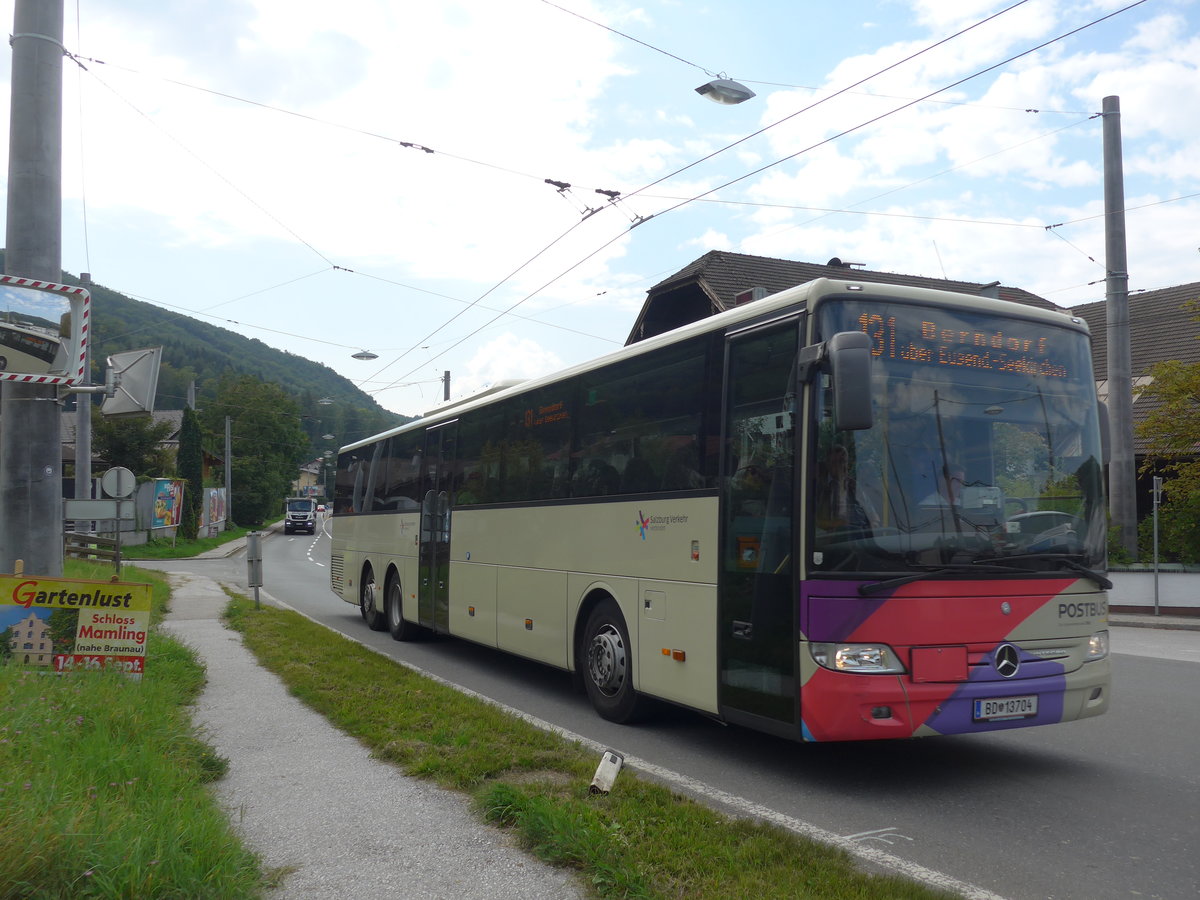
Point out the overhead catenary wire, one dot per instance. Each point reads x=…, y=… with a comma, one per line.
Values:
x=811, y=147
x=736, y=143
x=422, y=148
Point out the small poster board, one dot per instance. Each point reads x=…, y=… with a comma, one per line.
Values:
x=67, y=624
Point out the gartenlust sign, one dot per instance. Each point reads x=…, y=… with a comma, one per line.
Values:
x=63, y=624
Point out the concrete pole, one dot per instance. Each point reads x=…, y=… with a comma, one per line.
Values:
x=31, y=435
x=1122, y=472
x=228, y=472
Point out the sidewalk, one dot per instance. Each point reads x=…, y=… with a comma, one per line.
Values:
x=311, y=802
x=1149, y=620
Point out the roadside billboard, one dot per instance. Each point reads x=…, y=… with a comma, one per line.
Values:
x=67, y=624
x=168, y=503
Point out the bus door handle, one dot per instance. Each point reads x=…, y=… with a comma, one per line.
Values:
x=743, y=630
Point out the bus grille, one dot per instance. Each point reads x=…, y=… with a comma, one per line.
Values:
x=336, y=576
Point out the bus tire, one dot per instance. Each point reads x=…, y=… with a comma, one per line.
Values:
x=608, y=666
x=393, y=607
x=375, y=620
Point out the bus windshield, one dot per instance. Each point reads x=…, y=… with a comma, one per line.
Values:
x=984, y=453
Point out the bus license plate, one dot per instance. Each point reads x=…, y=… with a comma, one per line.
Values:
x=1005, y=708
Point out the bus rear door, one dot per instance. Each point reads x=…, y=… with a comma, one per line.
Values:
x=437, y=479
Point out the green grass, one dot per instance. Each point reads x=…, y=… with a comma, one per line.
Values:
x=639, y=841
x=165, y=548
x=103, y=782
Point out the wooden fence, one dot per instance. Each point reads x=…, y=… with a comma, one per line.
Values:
x=90, y=546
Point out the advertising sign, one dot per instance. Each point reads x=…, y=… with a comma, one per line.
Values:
x=67, y=624
x=168, y=503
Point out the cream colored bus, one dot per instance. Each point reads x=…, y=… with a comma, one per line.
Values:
x=847, y=511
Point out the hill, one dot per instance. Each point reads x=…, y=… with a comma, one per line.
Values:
x=195, y=351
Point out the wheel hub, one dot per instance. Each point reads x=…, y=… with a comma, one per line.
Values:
x=606, y=660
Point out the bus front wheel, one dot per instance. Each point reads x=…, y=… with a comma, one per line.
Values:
x=608, y=666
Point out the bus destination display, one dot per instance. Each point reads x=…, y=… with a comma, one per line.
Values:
x=919, y=336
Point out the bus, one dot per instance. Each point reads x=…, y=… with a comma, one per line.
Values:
x=27, y=348
x=848, y=511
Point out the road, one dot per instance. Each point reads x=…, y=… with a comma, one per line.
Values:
x=1102, y=808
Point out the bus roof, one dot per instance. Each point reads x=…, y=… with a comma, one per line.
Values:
x=805, y=296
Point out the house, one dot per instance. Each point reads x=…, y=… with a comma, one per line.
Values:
x=309, y=481
x=720, y=280
x=1161, y=327
x=170, y=443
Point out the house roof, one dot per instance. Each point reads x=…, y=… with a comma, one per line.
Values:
x=1161, y=327
x=722, y=275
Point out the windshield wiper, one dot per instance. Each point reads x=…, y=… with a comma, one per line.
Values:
x=1060, y=558
x=865, y=590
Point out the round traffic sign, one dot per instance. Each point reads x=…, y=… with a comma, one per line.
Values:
x=118, y=482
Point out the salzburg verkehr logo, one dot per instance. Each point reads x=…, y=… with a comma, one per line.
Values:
x=643, y=524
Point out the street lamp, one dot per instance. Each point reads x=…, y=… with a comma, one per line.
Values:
x=725, y=91
x=365, y=354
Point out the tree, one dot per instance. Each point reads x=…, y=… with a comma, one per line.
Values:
x=132, y=442
x=268, y=444
x=1172, y=432
x=190, y=463
x=63, y=625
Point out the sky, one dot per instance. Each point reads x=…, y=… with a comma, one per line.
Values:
x=375, y=174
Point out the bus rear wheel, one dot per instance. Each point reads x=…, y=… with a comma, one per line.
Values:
x=608, y=666
x=400, y=628
x=366, y=603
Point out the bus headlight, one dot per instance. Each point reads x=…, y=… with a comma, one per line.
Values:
x=866, y=659
x=1097, y=647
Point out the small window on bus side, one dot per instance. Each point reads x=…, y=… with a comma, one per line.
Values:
x=481, y=448
x=343, y=485
x=640, y=425
x=398, y=493
x=539, y=444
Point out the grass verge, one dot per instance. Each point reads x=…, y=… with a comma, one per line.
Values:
x=103, y=781
x=639, y=841
x=165, y=548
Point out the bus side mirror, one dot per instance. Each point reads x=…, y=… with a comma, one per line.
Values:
x=850, y=374
x=1105, y=437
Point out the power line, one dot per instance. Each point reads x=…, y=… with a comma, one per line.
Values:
x=834, y=95
x=803, y=87
x=814, y=146
x=689, y=166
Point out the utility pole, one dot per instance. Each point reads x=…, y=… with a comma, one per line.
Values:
x=1122, y=474
x=31, y=429
x=228, y=472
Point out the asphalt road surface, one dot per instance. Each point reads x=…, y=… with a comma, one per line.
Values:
x=1102, y=808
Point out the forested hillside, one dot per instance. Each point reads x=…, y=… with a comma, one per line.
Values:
x=197, y=351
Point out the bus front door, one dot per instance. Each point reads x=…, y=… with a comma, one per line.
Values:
x=438, y=467
x=756, y=610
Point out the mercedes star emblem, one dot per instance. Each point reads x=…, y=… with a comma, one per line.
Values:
x=1007, y=660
